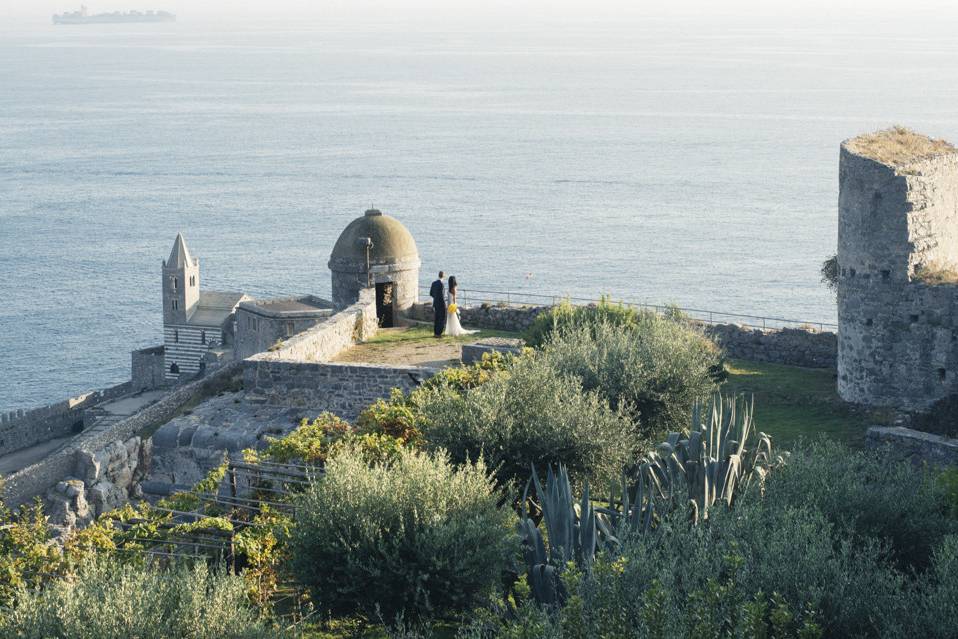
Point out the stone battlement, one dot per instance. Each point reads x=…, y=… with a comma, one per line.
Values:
x=22, y=428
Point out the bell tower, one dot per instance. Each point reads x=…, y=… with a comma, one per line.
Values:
x=181, y=283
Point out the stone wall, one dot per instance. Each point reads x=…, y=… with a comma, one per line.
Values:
x=298, y=374
x=343, y=389
x=328, y=338
x=23, y=428
x=489, y=316
x=148, y=372
x=898, y=337
x=262, y=325
x=912, y=445
x=791, y=346
x=37, y=479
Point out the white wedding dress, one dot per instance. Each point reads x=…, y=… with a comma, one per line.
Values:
x=453, y=327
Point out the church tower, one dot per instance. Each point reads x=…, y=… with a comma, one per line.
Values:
x=181, y=283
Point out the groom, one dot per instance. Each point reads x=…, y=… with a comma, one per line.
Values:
x=438, y=294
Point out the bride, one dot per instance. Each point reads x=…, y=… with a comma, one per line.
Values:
x=453, y=327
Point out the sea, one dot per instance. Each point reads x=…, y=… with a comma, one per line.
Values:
x=662, y=160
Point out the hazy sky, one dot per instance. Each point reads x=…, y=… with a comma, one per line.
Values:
x=933, y=10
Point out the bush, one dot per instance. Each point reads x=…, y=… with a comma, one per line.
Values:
x=565, y=316
x=531, y=417
x=310, y=442
x=106, y=600
x=656, y=370
x=867, y=496
x=459, y=379
x=416, y=538
x=822, y=550
x=395, y=417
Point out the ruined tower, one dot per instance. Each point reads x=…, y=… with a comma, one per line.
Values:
x=898, y=269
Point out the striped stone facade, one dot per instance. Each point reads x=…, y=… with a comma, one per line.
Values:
x=184, y=348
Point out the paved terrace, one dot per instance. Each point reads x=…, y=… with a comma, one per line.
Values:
x=412, y=346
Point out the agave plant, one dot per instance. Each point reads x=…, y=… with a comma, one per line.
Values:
x=712, y=463
x=575, y=529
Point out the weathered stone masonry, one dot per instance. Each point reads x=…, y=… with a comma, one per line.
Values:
x=20, y=429
x=898, y=336
x=68, y=462
x=343, y=389
x=299, y=374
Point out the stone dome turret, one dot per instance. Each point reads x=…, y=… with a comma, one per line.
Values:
x=376, y=250
x=392, y=244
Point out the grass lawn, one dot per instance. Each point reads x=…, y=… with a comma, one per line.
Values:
x=421, y=332
x=793, y=402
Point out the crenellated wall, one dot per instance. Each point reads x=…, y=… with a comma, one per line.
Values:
x=38, y=478
x=22, y=428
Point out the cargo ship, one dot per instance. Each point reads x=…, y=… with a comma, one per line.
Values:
x=84, y=17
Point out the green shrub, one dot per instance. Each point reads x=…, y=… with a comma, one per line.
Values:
x=532, y=416
x=868, y=496
x=656, y=369
x=459, y=379
x=750, y=572
x=395, y=417
x=310, y=442
x=949, y=481
x=416, y=538
x=27, y=554
x=565, y=316
x=821, y=550
x=106, y=600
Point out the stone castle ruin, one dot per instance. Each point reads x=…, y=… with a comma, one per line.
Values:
x=233, y=370
x=898, y=259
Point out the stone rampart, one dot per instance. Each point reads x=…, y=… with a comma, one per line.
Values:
x=343, y=389
x=913, y=445
x=298, y=372
x=791, y=346
x=36, y=479
x=328, y=338
x=22, y=428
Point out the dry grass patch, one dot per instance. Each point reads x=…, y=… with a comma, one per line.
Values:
x=897, y=146
x=935, y=273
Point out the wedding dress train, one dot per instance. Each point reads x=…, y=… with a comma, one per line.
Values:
x=453, y=327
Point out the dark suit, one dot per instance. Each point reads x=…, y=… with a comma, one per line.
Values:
x=438, y=294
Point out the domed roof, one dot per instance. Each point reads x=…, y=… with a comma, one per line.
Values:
x=391, y=242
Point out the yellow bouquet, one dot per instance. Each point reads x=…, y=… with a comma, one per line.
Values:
x=453, y=308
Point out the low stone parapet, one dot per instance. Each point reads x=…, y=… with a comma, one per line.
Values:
x=913, y=445
x=790, y=346
x=472, y=353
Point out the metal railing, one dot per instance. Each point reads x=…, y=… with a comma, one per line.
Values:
x=476, y=297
